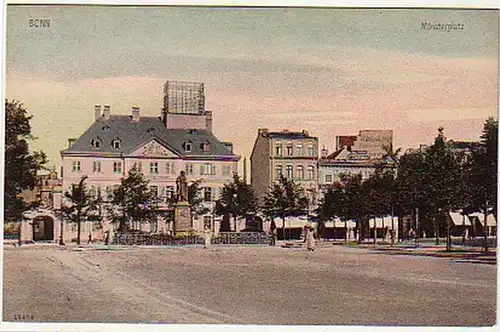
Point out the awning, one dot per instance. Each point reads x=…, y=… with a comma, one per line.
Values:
x=386, y=221
x=480, y=216
x=458, y=219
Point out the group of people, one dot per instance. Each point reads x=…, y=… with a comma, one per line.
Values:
x=309, y=236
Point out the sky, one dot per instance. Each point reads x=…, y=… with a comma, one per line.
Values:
x=328, y=71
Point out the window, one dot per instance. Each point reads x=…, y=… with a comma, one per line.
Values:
x=328, y=178
x=279, y=172
x=96, y=143
x=96, y=167
x=310, y=173
x=168, y=168
x=207, y=169
x=207, y=222
x=289, y=149
x=300, y=150
x=154, y=190
x=98, y=191
x=138, y=166
x=117, y=167
x=278, y=149
x=289, y=172
x=189, y=169
x=188, y=146
x=153, y=168
x=226, y=170
x=300, y=172
x=76, y=166
x=169, y=192
x=116, y=143
x=205, y=146
x=207, y=194
x=151, y=129
x=106, y=128
x=153, y=226
x=310, y=150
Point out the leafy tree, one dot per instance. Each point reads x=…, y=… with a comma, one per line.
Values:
x=483, y=173
x=331, y=206
x=285, y=199
x=132, y=201
x=21, y=166
x=80, y=203
x=355, y=201
x=237, y=200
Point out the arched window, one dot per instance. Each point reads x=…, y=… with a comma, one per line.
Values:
x=278, y=149
x=188, y=146
x=279, y=171
x=310, y=150
x=96, y=142
x=300, y=150
x=310, y=172
x=300, y=172
x=289, y=149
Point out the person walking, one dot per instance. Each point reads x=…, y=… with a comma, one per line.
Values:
x=106, y=238
x=310, y=240
x=274, y=233
x=207, y=236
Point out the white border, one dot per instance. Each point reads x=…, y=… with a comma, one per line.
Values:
x=6, y=326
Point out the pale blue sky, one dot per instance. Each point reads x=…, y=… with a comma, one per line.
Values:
x=350, y=69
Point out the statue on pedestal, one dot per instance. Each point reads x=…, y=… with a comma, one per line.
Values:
x=182, y=212
x=182, y=187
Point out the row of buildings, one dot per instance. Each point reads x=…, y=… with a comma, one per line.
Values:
x=181, y=139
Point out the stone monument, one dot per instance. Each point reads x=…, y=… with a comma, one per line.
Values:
x=182, y=211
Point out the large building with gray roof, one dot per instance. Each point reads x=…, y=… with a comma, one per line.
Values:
x=160, y=147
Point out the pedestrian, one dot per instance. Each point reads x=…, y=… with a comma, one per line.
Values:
x=90, y=239
x=310, y=240
x=392, y=234
x=207, y=236
x=274, y=233
x=106, y=238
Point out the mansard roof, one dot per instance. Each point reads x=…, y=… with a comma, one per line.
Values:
x=134, y=134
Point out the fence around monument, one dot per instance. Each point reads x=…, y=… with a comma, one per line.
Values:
x=168, y=240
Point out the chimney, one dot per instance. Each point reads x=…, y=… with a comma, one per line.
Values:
x=107, y=110
x=305, y=132
x=324, y=152
x=263, y=132
x=136, y=114
x=208, y=120
x=71, y=141
x=97, y=112
x=285, y=131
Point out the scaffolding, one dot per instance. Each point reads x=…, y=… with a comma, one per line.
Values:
x=184, y=97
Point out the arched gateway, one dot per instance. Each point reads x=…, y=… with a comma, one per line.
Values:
x=39, y=225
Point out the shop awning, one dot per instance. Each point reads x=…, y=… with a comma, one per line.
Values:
x=480, y=216
x=458, y=219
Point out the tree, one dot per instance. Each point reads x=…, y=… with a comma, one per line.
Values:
x=132, y=201
x=285, y=199
x=80, y=203
x=331, y=206
x=355, y=201
x=237, y=200
x=21, y=166
x=483, y=173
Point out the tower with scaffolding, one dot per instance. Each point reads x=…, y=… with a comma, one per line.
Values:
x=184, y=106
x=184, y=97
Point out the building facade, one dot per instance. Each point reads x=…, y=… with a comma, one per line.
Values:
x=361, y=154
x=290, y=154
x=160, y=147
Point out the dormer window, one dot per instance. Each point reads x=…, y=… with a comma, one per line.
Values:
x=205, y=146
x=96, y=143
x=106, y=128
x=116, y=143
x=188, y=146
x=152, y=129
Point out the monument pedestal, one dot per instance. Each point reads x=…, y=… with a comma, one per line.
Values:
x=182, y=217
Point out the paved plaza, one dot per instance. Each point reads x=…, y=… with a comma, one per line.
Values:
x=245, y=285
